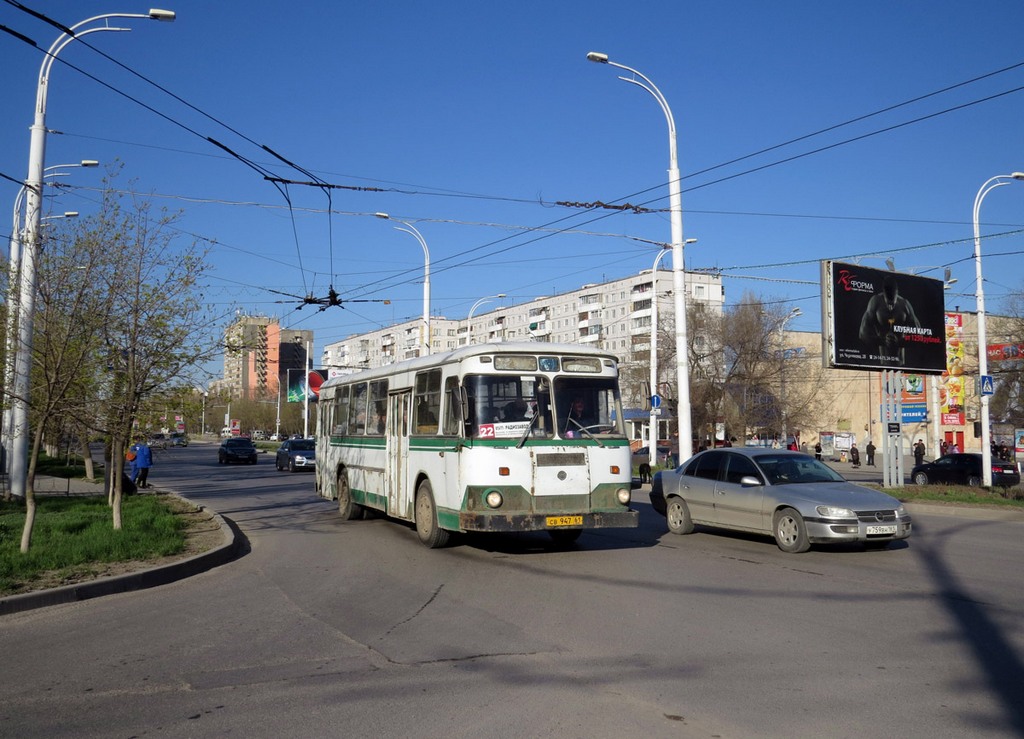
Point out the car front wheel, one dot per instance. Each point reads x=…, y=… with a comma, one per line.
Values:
x=678, y=515
x=920, y=479
x=791, y=532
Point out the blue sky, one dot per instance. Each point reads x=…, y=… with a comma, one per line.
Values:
x=473, y=120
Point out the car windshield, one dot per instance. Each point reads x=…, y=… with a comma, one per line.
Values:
x=238, y=443
x=786, y=469
x=306, y=445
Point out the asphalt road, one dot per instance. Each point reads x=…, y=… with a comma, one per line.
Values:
x=331, y=628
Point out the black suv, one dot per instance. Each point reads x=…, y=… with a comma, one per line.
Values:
x=237, y=450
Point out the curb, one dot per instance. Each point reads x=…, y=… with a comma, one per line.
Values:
x=141, y=580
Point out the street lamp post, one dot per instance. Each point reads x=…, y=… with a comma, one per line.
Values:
x=469, y=319
x=652, y=429
x=986, y=434
x=410, y=229
x=678, y=274
x=33, y=217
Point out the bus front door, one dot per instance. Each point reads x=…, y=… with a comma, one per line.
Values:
x=399, y=496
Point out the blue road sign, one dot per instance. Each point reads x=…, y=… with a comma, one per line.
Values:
x=987, y=385
x=655, y=401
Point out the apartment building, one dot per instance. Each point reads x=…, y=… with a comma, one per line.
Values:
x=614, y=316
x=258, y=353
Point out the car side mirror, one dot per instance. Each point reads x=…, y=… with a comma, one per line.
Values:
x=749, y=481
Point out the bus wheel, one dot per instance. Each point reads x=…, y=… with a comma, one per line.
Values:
x=427, y=528
x=564, y=536
x=348, y=508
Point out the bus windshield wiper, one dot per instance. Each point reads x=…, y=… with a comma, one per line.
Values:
x=529, y=428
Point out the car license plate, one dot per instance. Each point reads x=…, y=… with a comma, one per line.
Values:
x=556, y=521
x=880, y=530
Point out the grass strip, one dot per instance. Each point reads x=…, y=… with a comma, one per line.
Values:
x=74, y=537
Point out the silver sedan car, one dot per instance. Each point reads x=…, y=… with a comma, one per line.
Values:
x=788, y=495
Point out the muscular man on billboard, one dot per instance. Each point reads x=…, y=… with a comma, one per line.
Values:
x=885, y=311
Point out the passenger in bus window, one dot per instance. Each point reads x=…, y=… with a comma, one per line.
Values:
x=516, y=410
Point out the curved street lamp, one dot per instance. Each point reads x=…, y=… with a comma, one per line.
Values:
x=469, y=318
x=33, y=216
x=678, y=274
x=986, y=434
x=410, y=229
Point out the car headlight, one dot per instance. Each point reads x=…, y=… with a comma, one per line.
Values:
x=901, y=512
x=828, y=511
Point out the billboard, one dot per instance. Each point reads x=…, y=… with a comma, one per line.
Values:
x=877, y=319
x=952, y=394
x=297, y=388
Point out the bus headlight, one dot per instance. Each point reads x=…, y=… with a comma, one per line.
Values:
x=623, y=494
x=494, y=499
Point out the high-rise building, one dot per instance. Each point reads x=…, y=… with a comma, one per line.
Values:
x=258, y=354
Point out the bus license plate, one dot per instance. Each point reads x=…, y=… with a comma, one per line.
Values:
x=880, y=530
x=556, y=521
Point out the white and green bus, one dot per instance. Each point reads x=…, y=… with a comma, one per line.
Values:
x=490, y=437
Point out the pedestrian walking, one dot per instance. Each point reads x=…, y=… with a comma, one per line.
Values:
x=870, y=451
x=143, y=461
x=943, y=448
x=855, y=455
x=919, y=452
x=817, y=451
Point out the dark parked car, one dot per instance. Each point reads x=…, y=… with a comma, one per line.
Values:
x=237, y=449
x=788, y=495
x=179, y=439
x=964, y=469
x=296, y=454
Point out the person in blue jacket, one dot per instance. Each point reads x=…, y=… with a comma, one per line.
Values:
x=143, y=461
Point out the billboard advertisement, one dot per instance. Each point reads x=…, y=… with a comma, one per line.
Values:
x=297, y=388
x=877, y=319
x=951, y=384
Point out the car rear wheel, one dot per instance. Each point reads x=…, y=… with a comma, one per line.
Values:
x=974, y=481
x=790, y=531
x=677, y=513
x=920, y=479
x=427, y=527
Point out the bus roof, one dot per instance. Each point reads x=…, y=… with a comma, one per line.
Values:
x=473, y=350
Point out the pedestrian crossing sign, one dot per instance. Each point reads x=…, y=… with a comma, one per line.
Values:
x=987, y=386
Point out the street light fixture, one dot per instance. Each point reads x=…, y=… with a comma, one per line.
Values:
x=33, y=216
x=986, y=435
x=469, y=319
x=678, y=274
x=410, y=229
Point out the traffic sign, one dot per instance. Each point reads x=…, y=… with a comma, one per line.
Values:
x=987, y=385
x=655, y=401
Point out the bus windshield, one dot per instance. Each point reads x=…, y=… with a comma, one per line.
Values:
x=587, y=406
x=504, y=407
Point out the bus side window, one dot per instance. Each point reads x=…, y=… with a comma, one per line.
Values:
x=341, y=411
x=453, y=407
x=427, y=402
x=378, y=418
x=357, y=410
